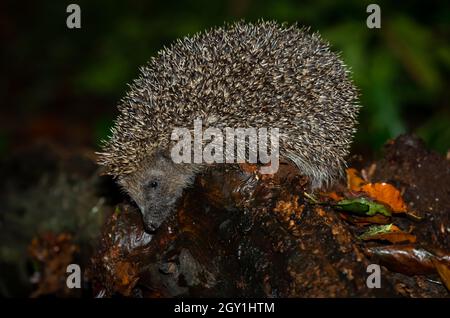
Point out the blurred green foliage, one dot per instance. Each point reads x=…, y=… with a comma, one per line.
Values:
x=102, y=129
x=402, y=69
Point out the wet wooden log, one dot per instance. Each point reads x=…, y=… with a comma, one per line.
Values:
x=236, y=233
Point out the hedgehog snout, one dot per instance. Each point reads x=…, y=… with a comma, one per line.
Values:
x=157, y=208
x=153, y=218
x=150, y=226
x=154, y=209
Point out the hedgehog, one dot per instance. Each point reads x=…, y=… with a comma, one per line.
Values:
x=262, y=74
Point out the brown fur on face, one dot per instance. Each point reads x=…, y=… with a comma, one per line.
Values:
x=156, y=186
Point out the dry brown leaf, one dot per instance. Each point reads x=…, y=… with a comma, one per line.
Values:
x=334, y=196
x=387, y=194
x=382, y=192
x=393, y=237
x=354, y=181
x=444, y=271
x=406, y=259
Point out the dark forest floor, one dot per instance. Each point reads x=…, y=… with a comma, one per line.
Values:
x=235, y=233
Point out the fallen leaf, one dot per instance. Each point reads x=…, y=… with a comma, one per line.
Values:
x=380, y=229
x=354, y=181
x=382, y=192
x=334, y=196
x=390, y=233
x=400, y=237
x=443, y=270
x=362, y=206
x=387, y=194
x=406, y=259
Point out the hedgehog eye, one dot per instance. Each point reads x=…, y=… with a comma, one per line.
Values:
x=153, y=184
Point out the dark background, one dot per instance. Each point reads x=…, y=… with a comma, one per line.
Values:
x=62, y=85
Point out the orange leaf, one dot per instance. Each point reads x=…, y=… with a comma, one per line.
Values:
x=354, y=181
x=393, y=237
x=334, y=196
x=387, y=194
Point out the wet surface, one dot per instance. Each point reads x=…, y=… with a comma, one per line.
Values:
x=235, y=233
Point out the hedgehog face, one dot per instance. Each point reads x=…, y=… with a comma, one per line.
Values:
x=155, y=187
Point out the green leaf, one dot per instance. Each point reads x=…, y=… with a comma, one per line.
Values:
x=362, y=206
x=376, y=230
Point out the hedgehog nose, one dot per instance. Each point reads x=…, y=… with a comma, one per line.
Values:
x=150, y=226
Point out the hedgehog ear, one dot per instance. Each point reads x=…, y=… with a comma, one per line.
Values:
x=166, y=155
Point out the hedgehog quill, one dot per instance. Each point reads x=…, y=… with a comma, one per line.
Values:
x=239, y=75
